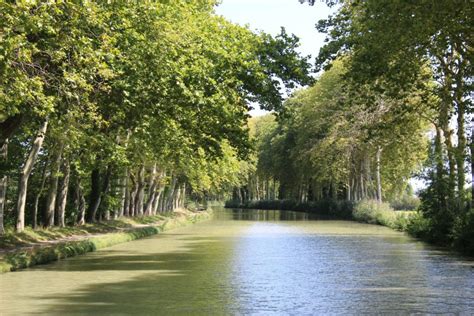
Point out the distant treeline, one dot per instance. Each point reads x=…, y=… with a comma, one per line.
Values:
x=394, y=102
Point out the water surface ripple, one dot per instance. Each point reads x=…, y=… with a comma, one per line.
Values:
x=251, y=263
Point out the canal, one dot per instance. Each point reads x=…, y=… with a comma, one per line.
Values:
x=250, y=262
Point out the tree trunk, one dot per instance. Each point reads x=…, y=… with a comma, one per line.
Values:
x=162, y=200
x=133, y=193
x=140, y=192
x=53, y=187
x=472, y=166
x=25, y=175
x=63, y=189
x=123, y=194
x=451, y=163
x=80, y=203
x=95, y=196
x=169, y=204
x=3, y=184
x=440, y=172
x=379, y=182
x=176, y=198
x=126, y=200
x=348, y=190
x=183, y=195
x=158, y=197
x=461, y=154
x=38, y=195
x=105, y=189
x=151, y=191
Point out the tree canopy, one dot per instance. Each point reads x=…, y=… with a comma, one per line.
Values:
x=133, y=104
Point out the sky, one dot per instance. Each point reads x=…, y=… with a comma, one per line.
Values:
x=270, y=15
x=300, y=19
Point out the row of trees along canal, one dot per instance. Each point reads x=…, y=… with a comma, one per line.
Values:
x=122, y=108
x=393, y=102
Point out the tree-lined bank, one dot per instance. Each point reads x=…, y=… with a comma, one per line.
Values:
x=394, y=101
x=118, y=108
x=125, y=108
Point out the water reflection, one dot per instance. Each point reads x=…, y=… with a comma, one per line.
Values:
x=282, y=271
x=265, y=215
x=250, y=262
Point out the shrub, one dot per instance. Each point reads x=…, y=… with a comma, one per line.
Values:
x=374, y=212
x=419, y=226
x=406, y=202
x=463, y=233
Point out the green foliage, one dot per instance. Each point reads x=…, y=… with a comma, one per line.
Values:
x=406, y=202
x=126, y=86
x=463, y=233
x=423, y=47
x=374, y=212
x=419, y=226
x=326, y=142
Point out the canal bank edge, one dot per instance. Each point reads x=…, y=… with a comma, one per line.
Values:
x=28, y=257
x=369, y=212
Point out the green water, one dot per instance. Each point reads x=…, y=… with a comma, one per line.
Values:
x=250, y=262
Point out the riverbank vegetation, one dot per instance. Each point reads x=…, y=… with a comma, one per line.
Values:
x=393, y=102
x=114, y=109
x=32, y=247
x=125, y=108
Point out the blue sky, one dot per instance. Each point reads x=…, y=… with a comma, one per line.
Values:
x=299, y=19
x=270, y=15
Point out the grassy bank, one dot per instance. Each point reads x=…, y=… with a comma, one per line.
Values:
x=461, y=238
x=33, y=247
x=373, y=212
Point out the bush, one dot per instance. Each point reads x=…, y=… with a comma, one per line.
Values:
x=419, y=226
x=463, y=233
x=374, y=212
x=405, y=203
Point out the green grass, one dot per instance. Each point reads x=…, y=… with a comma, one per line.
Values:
x=374, y=212
x=113, y=231
x=12, y=240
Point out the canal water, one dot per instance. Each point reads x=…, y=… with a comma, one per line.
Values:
x=250, y=263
